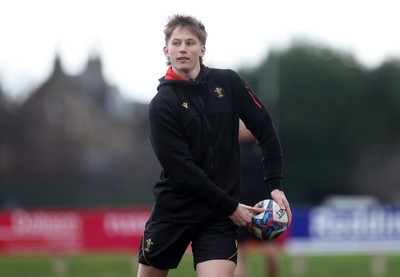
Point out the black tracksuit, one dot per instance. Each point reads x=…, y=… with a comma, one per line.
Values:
x=194, y=132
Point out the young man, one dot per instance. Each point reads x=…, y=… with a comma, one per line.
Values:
x=194, y=122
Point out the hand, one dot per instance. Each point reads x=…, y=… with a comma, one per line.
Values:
x=280, y=198
x=242, y=215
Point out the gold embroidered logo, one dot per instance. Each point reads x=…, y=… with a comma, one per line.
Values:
x=218, y=91
x=236, y=243
x=185, y=105
x=149, y=243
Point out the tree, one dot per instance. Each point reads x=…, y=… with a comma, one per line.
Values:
x=326, y=105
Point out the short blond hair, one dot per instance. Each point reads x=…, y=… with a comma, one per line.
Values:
x=191, y=23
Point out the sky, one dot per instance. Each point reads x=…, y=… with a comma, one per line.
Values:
x=128, y=36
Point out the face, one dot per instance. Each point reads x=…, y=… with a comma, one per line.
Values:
x=184, y=51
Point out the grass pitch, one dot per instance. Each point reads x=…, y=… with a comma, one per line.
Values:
x=125, y=265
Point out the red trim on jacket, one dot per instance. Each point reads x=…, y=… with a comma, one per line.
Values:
x=171, y=75
x=254, y=99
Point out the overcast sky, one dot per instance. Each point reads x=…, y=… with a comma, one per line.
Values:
x=128, y=35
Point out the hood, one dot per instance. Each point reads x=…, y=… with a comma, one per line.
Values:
x=171, y=78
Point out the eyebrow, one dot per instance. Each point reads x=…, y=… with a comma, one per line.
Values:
x=189, y=39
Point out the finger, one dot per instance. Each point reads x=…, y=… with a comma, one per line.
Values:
x=246, y=206
x=256, y=209
x=282, y=201
x=278, y=198
x=289, y=213
x=286, y=207
x=281, y=204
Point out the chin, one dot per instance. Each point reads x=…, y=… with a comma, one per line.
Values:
x=184, y=68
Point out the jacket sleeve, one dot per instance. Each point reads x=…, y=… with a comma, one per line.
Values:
x=172, y=150
x=257, y=119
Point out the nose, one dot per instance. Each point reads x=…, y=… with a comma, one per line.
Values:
x=182, y=47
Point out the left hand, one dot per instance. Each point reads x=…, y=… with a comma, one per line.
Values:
x=280, y=198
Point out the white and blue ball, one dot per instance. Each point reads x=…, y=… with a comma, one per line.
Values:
x=271, y=223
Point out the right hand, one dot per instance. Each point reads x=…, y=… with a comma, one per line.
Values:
x=242, y=215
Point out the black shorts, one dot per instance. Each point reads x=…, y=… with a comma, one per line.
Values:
x=164, y=243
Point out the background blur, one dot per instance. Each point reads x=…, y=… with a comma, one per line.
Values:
x=76, y=78
x=75, y=141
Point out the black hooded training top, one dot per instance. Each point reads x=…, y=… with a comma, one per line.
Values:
x=194, y=132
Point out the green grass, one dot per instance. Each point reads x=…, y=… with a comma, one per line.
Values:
x=123, y=265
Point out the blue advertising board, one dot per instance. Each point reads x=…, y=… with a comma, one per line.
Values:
x=324, y=229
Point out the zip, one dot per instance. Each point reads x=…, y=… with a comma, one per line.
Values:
x=207, y=123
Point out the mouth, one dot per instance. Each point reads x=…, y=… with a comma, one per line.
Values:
x=183, y=59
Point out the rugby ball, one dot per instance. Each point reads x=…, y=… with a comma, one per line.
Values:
x=271, y=223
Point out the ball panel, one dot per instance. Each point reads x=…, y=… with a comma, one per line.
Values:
x=271, y=223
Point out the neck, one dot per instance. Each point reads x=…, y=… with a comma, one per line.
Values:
x=188, y=75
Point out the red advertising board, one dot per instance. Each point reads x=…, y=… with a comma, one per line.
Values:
x=71, y=230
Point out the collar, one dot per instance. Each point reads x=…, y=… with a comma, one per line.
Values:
x=171, y=75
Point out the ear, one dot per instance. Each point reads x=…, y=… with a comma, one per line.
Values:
x=166, y=51
x=203, y=51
